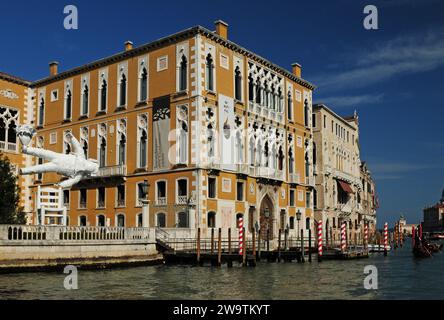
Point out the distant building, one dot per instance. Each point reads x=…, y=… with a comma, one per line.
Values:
x=406, y=229
x=344, y=190
x=434, y=217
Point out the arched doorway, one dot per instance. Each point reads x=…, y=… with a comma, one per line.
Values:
x=266, y=218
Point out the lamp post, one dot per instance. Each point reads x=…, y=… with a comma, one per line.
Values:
x=145, y=205
x=298, y=217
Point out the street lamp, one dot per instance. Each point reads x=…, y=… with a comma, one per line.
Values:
x=298, y=217
x=145, y=204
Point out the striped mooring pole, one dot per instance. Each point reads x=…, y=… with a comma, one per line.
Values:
x=241, y=236
x=365, y=236
x=320, y=240
x=385, y=238
x=343, y=240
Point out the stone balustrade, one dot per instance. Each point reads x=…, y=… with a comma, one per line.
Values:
x=74, y=233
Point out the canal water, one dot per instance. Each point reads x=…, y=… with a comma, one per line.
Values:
x=400, y=276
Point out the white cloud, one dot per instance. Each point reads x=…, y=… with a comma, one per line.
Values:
x=347, y=101
x=401, y=56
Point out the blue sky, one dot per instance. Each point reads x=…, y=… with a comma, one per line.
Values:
x=392, y=76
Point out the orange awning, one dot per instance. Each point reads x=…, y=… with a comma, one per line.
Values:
x=345, y=186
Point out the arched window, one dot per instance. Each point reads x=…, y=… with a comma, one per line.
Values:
x=290, y=105
x=209, y=72
x=182, y=220
x=307, y=223
x=307, y=165
x=273, y=157
x=315, y=198
x=143, y=149
x=258, y=92
x=122, y=150
x=266, y=155
x=251, y=151
x=12, y=136
x=103, y=95
x=122, y=90
x=161, y=220
x=85, y=102
x=143, y=85
x=290, y=160
x=183, y=74
x=281, y=159
x=102, y=152
x=306, y=114
x=183, y=142
x=211, y=219
x=85, y=148
x=273, y=98
x=239, y=216
x=266, y=95
x=120, y=221
x=101, y=220
x=259, y=153
x=250, y=88
x=139, y=220
x=41, y=112
x=239, y=148
x=314, y=153
x=237, y=84
x=2, y=130
x=68, y=105
x=210, y=141
x=82, y=221
x=280, y=102
x=291, y=223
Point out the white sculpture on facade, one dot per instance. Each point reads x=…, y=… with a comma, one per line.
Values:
x=74, y=166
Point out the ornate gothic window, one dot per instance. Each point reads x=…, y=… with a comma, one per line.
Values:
x=103, y=95
x=183, y=74
x=209, y=73
x=143, y=85
x=237, y=84
x=142, y=142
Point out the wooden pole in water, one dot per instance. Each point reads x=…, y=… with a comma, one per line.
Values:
x=268, y=240
x=229, y=240
x=219, y=248
x=302, y=246
x=413, y=237
x=212, y=240
x=279, y=245
x=259, y=245
x=198, y=245
x=285, y=239
x=254, y=245
x=309, y=245
x=320, y=240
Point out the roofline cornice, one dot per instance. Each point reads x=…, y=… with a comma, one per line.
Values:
x=13, y=79
x=177, y=37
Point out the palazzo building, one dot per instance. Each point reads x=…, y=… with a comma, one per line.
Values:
x=218, y=132
x=345, y=191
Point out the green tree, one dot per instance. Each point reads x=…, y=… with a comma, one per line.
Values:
x=10, y=210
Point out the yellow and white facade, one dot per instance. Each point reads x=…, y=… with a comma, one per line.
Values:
x=218, y=132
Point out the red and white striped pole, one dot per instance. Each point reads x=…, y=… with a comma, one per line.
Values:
x=365, y=236
x=343, y=241
x=241, y=236
x=320, y=240
x=413, y=236
x=385, y=238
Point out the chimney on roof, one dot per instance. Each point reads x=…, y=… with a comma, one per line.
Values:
x=128, y=45
x=297, y=69
x=221, y=29
x=53, y=68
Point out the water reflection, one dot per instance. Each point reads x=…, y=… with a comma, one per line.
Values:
x=400, y=277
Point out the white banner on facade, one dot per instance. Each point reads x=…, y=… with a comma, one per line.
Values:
x=226, y=132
